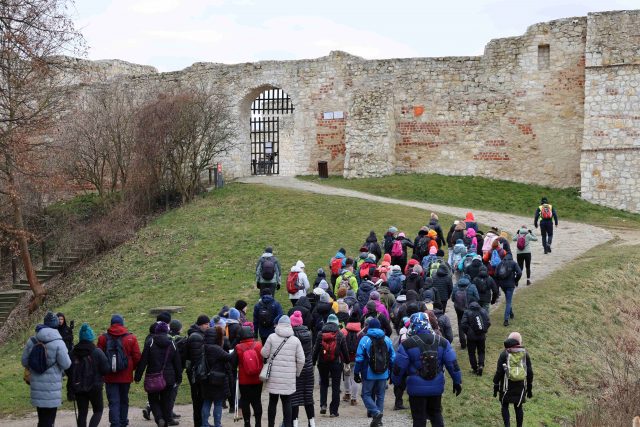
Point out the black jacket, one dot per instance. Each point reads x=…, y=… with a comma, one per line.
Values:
x=512, y=391
x=193, y=348
x=474, y=268
x=304, y=307
x=468, y=316
x=342, y=352
x=218, y=360
x=509, y=282
x=435, y=225
x=486, y=286
x=100, y=363
x=153, y=356
x=320, y=315
x=374, y=246
x=413, y=282
x=388, y=242
x=233, y=331
x=304, y=383
x=443, y=282
x=66, y=332
x=445, y=324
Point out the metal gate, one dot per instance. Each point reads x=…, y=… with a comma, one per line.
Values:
x=265, y=130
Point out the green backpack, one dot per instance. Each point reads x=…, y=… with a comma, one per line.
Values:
x=516, y=366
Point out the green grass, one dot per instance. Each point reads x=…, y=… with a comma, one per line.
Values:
x=487, y=194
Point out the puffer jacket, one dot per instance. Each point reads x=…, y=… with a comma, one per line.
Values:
x=409, y=362
x=443, y=282
x=46, y=388
x=512, y=391
x=364, y=350
x=131, y=349
x=465, y=284
x=304, y=307
x=528, y=237
x=245, y=344
x=193, y=348
x=218, y=361
x=445, y=324
x=289, y=362
x=100, y=363
x=342, y=353
x=153, y=355
x=469, y=316
x=320, y=315
x=304, y=382
x=365, y=289
x=486, y=286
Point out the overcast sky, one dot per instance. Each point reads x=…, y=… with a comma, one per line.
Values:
x=173, y=34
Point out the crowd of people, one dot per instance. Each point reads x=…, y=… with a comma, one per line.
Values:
x=367, y=321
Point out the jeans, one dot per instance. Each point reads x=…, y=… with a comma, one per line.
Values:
x=426, y=408
x=333, y=370
x=286, y=410
x=118, y=397
x=506, y=417
x=350, y=385
x=217, y=412
x=46, y=417
x=160, y=404
x=83, y=399
x=373, y=395
x=250, y=398
x=546, y=230
x=524, y=260
x=508, y=296
x=196, y=401
x=461, y=335
x=472, y=346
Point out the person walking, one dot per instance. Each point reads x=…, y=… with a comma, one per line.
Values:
x=513, y=380
x=118, y=380
x=336, y=264
x=300, y=283
x=303, y=395
x=374, y=359
x=443, y=282
x=351, y=333
x=523, y=249
x=464, y=293
x=217, y=386
x=475, y=325
x=507, y=275
x=265, y=312
x=547, y=215
x=248, y=362
x=268, y=271
x=193, y=351
x=85, y=383
x=160, y=356
x=285, y=360
x=46, y=357
x=425, y=375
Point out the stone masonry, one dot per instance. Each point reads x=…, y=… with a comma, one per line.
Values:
x=557, y=106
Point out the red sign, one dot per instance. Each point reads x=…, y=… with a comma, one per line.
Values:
x=219, y=167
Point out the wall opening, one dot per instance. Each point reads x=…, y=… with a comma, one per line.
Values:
x=544, y=55
x=264, y=130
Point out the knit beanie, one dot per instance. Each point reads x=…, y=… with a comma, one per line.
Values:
x=86, y=333
x=386, y=258
x=284, y=320
x=332, y=319
x=393, y=229
x=325, y=297
x=175, y=326
x=318, y=291
x=117, y=319
x=371, y=307
x=323, y=285
x=374, y=323
x=234, y=314
x=51, y=320
x=296, y=318
x=162, y=328
x=165, y=317
x=343, y=251
x=203, y=319
x=321, y=272
x=374, y=296
x=240, y=305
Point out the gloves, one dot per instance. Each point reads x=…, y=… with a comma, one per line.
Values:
x=529, y=394
x=496, y=388
x=530, y=231
x=457, y=389
x=357, y=378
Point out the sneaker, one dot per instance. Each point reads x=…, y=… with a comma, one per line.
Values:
x=174, y=416
x=333, y=415
x=346, y=397
x=323, y=410
x=506, y=323
x=377, y=420
x=354, y=402
x=528, y=282
x=146, y=414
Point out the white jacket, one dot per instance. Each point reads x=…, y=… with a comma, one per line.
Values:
x=303, y=283
x=288, y=363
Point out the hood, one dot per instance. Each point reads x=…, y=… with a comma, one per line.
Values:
x=461, y=226
x=117, y=330
x=284, y=330
x=267, y=299
x=483, y=272
x=508, y=257
x=438, y=312
x=442, y=271
x=477, y=262
x=354, y=326
x=162, y=340
x=474, y=306
x=384, y=290
x=304, y=302
x=469, y=217
x=463, y=282
x=412, y=295
x=433, y=222
x=512, y=345
x=395, y=273
x=266, y=255
x=296, y=269
x=524, y=231
x=323, y=307
x=375, y=333
x=193, y=328
x=471, y=232
x=48, y=334
x=372, y=238
x=340, y=255
x=350, y=300
x=366, y=286
x=83, y=348
x=330, y=327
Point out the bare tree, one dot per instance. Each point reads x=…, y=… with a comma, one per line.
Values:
x=32, y=34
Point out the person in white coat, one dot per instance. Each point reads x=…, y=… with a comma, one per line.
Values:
x=303, y=283
x=284, y=352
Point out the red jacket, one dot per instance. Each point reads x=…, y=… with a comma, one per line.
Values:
x=131, y=349
x=243, y=345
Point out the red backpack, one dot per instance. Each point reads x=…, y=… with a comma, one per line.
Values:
x=546, y=211
x=336, y=265
x=329, y=346
x=522, y=242
x=250, y=361
x=292, y=282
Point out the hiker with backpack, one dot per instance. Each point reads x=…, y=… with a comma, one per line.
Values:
x=371, y=310
x=84, y=383
x=347, y=278
x=367, y=268
x=303, y=395
x=374, y=360
x=297, y=283
x=421, y=244
x=336, y=264
x=389, y=238
x=396, y=280
x=513, y=380
x=265, y=312
x=507, y=275
x=421, y=360
x=470, y=222
x=547, y=215
x=330, y=353
x=386, y=297
x=488, y=290
x=192, y=353
x=268, y=271
x=45, y=358
x=248, y=361
x=372, y=245
x=399, y=250
x=434, y=225
x=320, y=313
x=443, y=282
x=123, y=353
x=304, y=307
x=475, y=324
x=351, y=334
x=444, y=323
x=175, y=328
x=413, y=282
x=215, y=385
x=285, y=361
x=464, y=293
x=523, y=249
x=380, y=307
x=458, y=252
x=364, y=291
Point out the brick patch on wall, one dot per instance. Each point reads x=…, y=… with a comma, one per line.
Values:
x=492, y=156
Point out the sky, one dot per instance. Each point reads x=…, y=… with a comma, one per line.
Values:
x=173, y=34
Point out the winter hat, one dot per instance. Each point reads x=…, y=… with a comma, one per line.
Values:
x=459, y=242
x=401, y=298
x=268, y=249
x=325, y=297
x=386, y=258
x=117, y=319
x=371, y=307
x=343, y=251
x=348, y=262
x=471, y=232
x=393, y=229
x=175, y=326
x=432, y=234
x=246, y=333
x=321, y=272
x=374, y=296
x=396, y=268
x=51, y=320
x=240, y=305
x=86, y=333
x=364, y=248
x=203, y=319
x=265, y=291
x=372, y=257
x=284, y=320
x=318, y=291
x=434, y=216
x=433, y=250
x=374, y=323
x=469, y=217
x=417, y=269
x=224, y=311
x=332, y=319
x=515, y=336
x=300, y=264
x=234, y=314
x=161, y=328
x=165, y=317
x=296, y=318
x=323, y=285
x=401, y=235
x=544, y=200
x=351, y=293
x=420, y=323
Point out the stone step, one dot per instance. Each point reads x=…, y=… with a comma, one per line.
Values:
x=22, y=287
x=52, y=269
x=58, y=264
x=69, y=259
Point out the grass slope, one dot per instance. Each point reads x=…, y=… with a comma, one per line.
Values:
x=487, y=194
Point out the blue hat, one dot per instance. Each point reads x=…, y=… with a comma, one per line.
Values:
x=51, y=320
x=162, y=328
x=86, y=333
x=374, y=323
x=420, y=323
x=117, y=318
x=234, y=314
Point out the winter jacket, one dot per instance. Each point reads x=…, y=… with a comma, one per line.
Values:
x=380, y=308
x=193, y=348
x=277, y=270
x=233, y=329
x=395, y=281
x=528, y=237
x=509, y=282
x=385, y=324
x=459, y=233
x=288, y=363
x=465, y=284
x=352, y=327
x=131, y=349
x=459, y=251
x=487, y=289
x=472, y=269
x=366, y=287
x=413, y=282
x=409, y=362
x=155, y=352
x=443, y=282
x=445, y=324
x=46, y=388
x=304, y=307
x=276, y=311
x=435, y=225
x=512, y=391
x=342, y=353
x=217, y=360
x=304, y=382
x=303, y=283
x=386, y=297
x=243, y=377
x=347, y=275
x=364, y=350
x=388, y=242
x=406, y=243
x=66, y=332
x=100, y=364
x=469, y=316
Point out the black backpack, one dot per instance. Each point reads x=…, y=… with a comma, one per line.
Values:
x=504, y=270
x=265, y=315
x=482, y=284
x=379, y=356
x=352, y=344
x=477, y=323
x=82, y=374
x=421, y=248
x=267, y=268
x=429, y=367
x=116, y=355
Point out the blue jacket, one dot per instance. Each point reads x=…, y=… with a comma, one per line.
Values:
x=408, y=363
x=276, y=312
x=362, y=355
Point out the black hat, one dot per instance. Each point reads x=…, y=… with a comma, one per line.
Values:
x=343, y=251
x=544, y=200
x=265, y=291
x=240, y=305
x=203, y=319
x=165, y=317
x=268, y=249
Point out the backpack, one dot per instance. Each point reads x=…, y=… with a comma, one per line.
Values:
x=429, y=367
x=345, y=283
x=352, y=344
x=336, y=266
x=82, y=374
x=116, y=355
x=329, y=346
x=267, y=268
x=482, y=284
x=466, y=263
x=423, y=243
x=292, y=282
x=433, y=267
x=396, y=249
x=546, y=211
x=477, y=324
x=516, y=366
x=495, y=258
x=395, y=283
x=503, y=271
x=521, y=242
x=488, y=242
x=265, y=315
x=379, y=356
x=460, y=302
x=251, y=362
x=37, y=361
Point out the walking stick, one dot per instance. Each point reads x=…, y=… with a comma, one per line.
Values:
x=75, y=411
x=236, y=416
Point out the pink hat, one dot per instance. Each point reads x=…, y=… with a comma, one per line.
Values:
x=433, y=250
x=401, y=235
x=296, y=318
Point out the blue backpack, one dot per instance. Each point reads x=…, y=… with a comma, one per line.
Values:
x=395, y=283
x=495, y=258
x=116, y=355
x=38, y=357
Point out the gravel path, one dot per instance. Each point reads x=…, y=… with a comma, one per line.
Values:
x=570, y=241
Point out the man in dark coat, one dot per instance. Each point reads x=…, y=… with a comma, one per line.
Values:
x=475, y=324
x=443, y=282
x=193, y=350
x=265, y=312
x=487, y=288
x=304, y=307
x=66, y=331
x=508, y=283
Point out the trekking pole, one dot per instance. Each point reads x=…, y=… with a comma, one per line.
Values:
x=75, y=411
x=236, y=416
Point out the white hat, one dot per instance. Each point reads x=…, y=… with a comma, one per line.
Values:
x=300, y=264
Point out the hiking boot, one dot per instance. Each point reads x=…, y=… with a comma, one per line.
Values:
x=377, y=420
x=174, y=416
x=479, y=371
x=549, y=249
x=474, y=371
x=334, y=415
x=173, y=423
x=528, y=282
x=399, y=407
x=146, y=414
x=511, y=315
x=354, y=402
x=346, y=397
x=323, y=410
x=506, y=323
x=162, y=423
